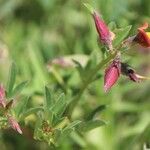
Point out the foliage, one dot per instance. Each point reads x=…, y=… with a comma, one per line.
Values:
x=52, y=69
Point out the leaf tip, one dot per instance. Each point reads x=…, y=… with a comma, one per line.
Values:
x=89, y=7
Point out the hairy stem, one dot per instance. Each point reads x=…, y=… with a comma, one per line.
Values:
x=88, y=80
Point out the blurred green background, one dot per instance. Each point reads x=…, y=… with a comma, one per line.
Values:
x=34, y=32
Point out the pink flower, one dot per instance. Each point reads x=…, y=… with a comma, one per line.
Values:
x=112, y=74
x=14, y=124
x=105, y=35
x=2, y=96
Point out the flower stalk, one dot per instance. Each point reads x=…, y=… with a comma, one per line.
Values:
x=88, y=80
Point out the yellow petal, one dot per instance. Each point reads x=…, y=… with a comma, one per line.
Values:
x=148, y=34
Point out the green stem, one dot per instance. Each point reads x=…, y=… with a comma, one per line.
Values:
x=88, y=80
x=57, y=76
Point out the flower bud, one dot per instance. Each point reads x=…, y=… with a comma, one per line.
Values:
x=2, y=96
x=104, y=34
x=112, y=74
x=14, y=124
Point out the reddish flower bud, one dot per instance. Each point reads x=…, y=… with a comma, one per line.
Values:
x=128, y=71
x=112, y=74
x=2, y=96
x=143, y=38
x=104, y=34
x=14, y=124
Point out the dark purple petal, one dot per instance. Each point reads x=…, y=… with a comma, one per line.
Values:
x=133, y=76
x=128, y=71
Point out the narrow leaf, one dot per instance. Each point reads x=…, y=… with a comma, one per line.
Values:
x=121, y=35
x=22, y=106
x=112, y=26
x=79, y=139
x=11, y=79
x=67, y=132
x=96, y=110
x=70, y=127
x=89, y=7
x=79, y=67
x=60, y=123
x=48, y=98
x=92, y=124
x=31, y=111
x=73, y=124
x=59, y=106
x=19, y=87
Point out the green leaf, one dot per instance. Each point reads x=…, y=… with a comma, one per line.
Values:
x=60, y=123
x=22, y=106
x=31, y=111
x=96, y=110
x=73, y=124
x=59, y=106
x=79, y=67
x=48, y=99
x=79, y=139
x=97, y=77
x=38, y=124
x=140, y=138
x=121, y=35
x=71, y=127
x=19, y=87
x=67, y=132
x=89, y=7
x=112, y=25
x=11, y=79
x=92, y=124
x=57, y=135
x=88, y=65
